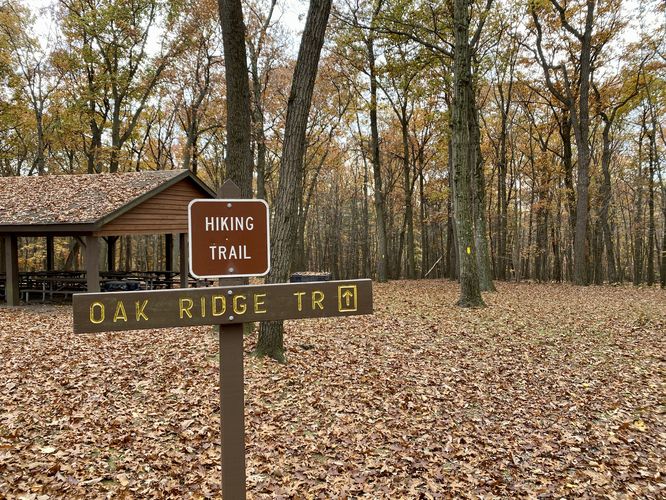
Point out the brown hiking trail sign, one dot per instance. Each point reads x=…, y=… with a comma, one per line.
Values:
x=228, y=237
x=243, y=226
x=117, y=311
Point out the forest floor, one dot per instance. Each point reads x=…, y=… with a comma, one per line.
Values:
x=552, y=390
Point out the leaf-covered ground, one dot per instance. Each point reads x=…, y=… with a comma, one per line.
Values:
x=551, y=391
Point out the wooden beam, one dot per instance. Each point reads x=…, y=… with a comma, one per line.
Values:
x=11, y=269
x=49, y=253
x=92, y=263
x=183, y=259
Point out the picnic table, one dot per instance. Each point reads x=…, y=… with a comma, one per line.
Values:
x=49, y=284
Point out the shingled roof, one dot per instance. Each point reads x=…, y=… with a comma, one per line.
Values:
x=80, y=199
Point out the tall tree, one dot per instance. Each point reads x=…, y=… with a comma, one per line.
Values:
x=573, y=91
x=36, y=81
x=610, y=103
x=365, y=23
x=193, y=88
x=284, y=227
x=464, y=152
x=111, y=40
x=483, y=260
x=259, y=77
x=239, y=131
x=402, y=72
x=503, y=78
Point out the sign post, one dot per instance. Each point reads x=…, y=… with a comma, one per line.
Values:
x=228, y=305
x=232, y=377
x=232, y=411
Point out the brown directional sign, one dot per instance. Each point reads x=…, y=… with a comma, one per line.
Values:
x=115, y=311
x=228, y=238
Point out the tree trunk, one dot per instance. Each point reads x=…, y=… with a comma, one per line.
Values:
x=662, y=268
x=190, y=140
x=567, y=163
x=300, y=263
x=258, y=122
x=555, y=243
x=92, y=154
x=502, y=200
x=605, y=192
x=451, y=243
x=40, y=161
x=662, y=185
x=581, y=130
x=502, y=204
x=597, y=253
x=70, y=261
x=410, y=267
x=239, y=155
x=463, y=153
x=638, y=215
x=425, y=250
x=483, y=260
x=365, y=236
x=284, y=227
x=257, y=100
x=541, y=254
x=526, y=270
x=382, y=247
x=652, y=152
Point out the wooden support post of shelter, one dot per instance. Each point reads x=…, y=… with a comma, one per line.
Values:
x=11, y=270
x=92, y=263
x=94, y=206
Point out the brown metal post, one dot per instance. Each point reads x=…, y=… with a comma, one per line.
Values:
x=183, y=268
x=92, y=263
x=11, y=269
x=232, y=397
x=232, y=412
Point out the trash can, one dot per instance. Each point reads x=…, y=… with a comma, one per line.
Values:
x=305, y=276
x=123, y=286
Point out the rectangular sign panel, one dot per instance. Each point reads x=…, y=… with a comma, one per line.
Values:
x=115, y=311
x=228, y=238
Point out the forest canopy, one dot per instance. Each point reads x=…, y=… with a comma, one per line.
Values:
x=567, y=102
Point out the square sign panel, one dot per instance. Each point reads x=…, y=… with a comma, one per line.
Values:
x=228, y=238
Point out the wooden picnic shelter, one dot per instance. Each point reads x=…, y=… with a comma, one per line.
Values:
x=94, y=206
